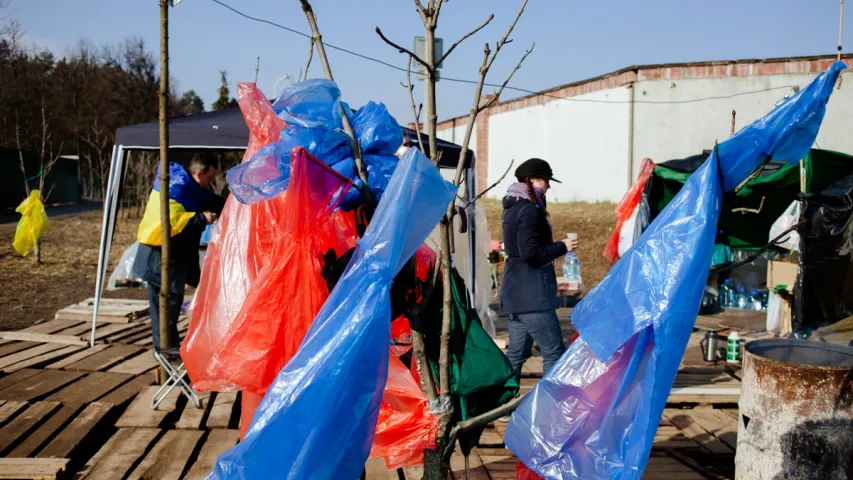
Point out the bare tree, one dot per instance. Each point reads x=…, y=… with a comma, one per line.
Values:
x=436, y=463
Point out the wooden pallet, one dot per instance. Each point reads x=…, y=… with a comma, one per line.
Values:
x=32, y=468
x=111, y=310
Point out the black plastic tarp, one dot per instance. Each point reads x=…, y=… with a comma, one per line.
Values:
x=825, y=280
x=226, y=130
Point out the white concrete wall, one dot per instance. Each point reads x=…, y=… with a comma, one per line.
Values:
x=457, y=134
x=676, y=130
x=585, y=143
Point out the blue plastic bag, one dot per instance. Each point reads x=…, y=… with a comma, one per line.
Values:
x=318, y=418
x=595, y=414
x=312, y=112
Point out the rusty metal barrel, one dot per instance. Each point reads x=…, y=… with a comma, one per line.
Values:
x=796, y=411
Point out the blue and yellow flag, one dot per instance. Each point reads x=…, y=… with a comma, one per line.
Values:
x=186, y=198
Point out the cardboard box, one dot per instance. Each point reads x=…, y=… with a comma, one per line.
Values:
x=782, y=272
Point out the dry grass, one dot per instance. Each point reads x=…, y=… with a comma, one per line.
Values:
x=593, y=223
x=31, y=293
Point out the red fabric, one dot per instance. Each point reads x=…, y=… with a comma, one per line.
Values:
x=626, y=208
x=239, y=246
x=289, y=289
x=405, y=427
x=524, y=473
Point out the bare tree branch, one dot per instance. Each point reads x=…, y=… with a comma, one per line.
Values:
x=415, y=112
x=503, y=41
x=497, y=96
x=481, y=194
x=481, y=421
x=324, y=60
x=310, y=56
x=403, y=50
x=472, y=32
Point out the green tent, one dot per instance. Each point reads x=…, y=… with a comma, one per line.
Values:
x=746, y=217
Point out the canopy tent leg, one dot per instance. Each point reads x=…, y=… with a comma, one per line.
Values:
x=110, y=202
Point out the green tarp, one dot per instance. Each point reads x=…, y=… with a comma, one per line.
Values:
x=480, y=374
x=746, y=217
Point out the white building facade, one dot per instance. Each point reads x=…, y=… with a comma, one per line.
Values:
x=595, y=133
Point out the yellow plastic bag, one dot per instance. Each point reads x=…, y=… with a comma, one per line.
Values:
x=33, y=223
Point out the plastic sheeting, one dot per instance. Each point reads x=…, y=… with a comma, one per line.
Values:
x=32, y=224
x=318, y=418
x=239, y=246
x=405, y=427
x=289, y=288
x=824, y=292
x=124, y=270
x=626, y=208
x=311, y=110
x=595, y=414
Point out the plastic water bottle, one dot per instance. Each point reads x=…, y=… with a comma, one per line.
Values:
x=727, y=293
x=755, y=300
x=742, y=300
x=572, y=267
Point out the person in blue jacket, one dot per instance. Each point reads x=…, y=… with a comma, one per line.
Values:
x=529, y=286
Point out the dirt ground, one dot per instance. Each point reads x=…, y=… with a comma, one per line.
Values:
x=593, y=222
x=32, y=293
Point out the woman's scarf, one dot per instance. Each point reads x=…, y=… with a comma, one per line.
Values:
x=521, y=190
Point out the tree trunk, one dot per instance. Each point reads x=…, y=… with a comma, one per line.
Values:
x=165, y=225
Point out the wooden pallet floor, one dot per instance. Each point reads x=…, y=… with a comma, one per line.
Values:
x=70, y=411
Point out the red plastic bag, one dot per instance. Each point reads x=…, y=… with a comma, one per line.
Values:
x=241, y=242
x=524, y=473
x=289, y=289
x=405, y=427
x=626, y=207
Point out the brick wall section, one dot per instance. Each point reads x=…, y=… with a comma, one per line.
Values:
x=482, y=145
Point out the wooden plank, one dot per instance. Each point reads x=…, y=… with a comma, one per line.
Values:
x=77, y=432
x=491, y=438
x=51, y=326
x=413, y=473
x=144, y=362
x=666, y=468
x=137, y=332
x=104, y=332
x=217, y=442
x=13, y=347
x=193, y=418
x=374, y=469
x=476, y=470
x=116, y=458
x=9, y=408
x=17, y=377
x=116, y=301
x=21, y=425
x=129, y=390
x=105, y=310
x=671, y=437
x=76, y=357
x=42, y=337
x=222, y=411
x=80, y=317
x=44, y=358
x=90, y=388
x=166, y=461
x=105, y=358
x=45, y=383
x=32, y=468
x=683, y=421
x=718, y=423
x=14, y=358
x=47, y=430
x=140, y=413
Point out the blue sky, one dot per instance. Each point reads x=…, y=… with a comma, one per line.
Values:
x=574, y=40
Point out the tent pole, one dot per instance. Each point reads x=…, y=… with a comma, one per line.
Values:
x=165, y=222
x=99, y=281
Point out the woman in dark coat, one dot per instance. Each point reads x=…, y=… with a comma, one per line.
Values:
x=529, y=286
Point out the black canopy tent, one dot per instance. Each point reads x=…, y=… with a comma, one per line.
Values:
x=223, y=130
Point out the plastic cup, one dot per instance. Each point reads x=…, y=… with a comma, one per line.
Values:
x=571, y=236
